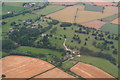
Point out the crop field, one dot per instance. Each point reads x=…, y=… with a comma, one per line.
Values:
x=64, y=3
x=82, y=16
x=112, y=28
x=55, y=73
x=116, y=21
x=60, y=40
x=23, y=67
x=89, y=71
x=104, y=3
x=49, y=9
x=111, y=69
x=94, y=24
x=94, y=8
x=110, y=18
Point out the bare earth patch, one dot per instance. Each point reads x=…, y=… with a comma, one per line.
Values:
x=94, y=24
x=23, y=67
x=55, y=73
x=89, y=71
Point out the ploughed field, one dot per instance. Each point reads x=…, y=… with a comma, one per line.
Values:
x=27, y=67
x=23, y=67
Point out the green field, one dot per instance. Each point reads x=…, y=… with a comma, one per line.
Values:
x=100, y=63
x=93, y=8
x=12, y=8
x=110, y=18
x=49, y=9
x=112, y=28
x=39, y=51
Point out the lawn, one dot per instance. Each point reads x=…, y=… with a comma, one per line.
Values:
x=93, y=8
x=39, y=51
x=49, y=9
x=112, y=28
x=100, y=63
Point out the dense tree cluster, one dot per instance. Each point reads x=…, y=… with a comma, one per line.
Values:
x=7, y=44
x=65, y=24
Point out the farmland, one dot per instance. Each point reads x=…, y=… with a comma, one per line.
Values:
x=22, y=66
x=116, y=21
x=12, y=8
x=82, y=15
x=49, y=9
x=55, y=73
x=113, y=28
x=94, y=24
x=60, y=40
x=39, y=51
x=89, y=71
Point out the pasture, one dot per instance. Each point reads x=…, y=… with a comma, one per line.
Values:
x=23, y=67
x=112, y=28
x=49, y=9
x=40, y=51
x=12, y=8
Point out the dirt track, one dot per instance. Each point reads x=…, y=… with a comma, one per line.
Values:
x=23, y=67
x=89, y=71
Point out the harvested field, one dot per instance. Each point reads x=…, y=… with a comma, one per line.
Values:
x=23, y=67
x=89, y=71
x=94, y=24
x=116, y=21
x=55, y=73
x=104, y=3
x=65, y=3
x=82, y=16
x=67, y=14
